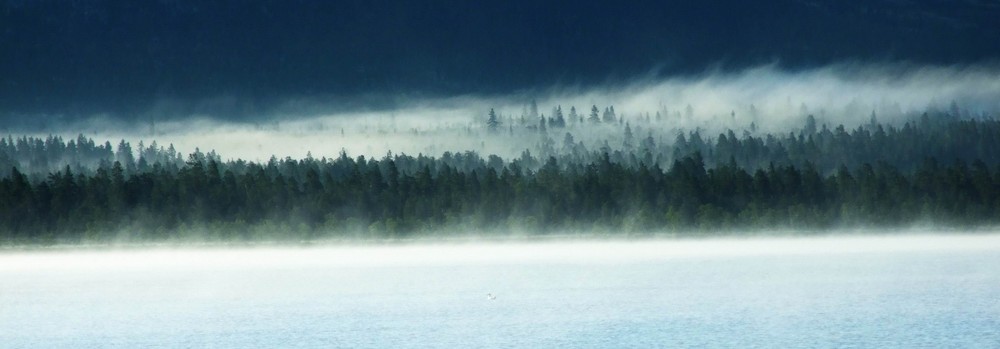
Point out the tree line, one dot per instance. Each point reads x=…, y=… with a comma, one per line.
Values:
x=937, y=169
x=905, y=145
x=361, y=197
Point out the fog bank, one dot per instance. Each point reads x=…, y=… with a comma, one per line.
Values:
x=485, y=253
x=763, y=99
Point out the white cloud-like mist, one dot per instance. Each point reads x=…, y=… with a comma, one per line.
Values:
x=486, y=253
x=771, y=99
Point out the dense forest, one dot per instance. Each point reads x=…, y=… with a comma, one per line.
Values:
x=938, y=169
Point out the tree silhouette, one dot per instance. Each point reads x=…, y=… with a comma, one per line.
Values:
x=492, y=122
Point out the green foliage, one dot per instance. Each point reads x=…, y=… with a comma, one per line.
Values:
x=195, y=203
x=401, y=196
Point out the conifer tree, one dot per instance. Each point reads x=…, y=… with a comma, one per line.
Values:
x=492, y=122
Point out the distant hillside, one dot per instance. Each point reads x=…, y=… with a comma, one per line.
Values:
x=239, y=58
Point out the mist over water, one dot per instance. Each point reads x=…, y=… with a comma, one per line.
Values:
x=877, y=291
x=766, y=98
x=721, y=124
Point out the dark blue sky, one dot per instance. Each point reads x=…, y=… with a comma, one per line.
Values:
x=242, y=58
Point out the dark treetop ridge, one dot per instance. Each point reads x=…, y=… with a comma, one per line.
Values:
x=937, y=172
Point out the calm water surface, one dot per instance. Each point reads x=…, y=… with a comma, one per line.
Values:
x=845, y=292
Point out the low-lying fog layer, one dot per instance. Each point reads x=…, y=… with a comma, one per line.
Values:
x=769, y=99
x=901, y=291
x=479, y=253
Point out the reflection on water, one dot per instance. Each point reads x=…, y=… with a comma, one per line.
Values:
x=896, y=291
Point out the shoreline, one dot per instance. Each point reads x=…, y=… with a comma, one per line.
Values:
x=500, y=239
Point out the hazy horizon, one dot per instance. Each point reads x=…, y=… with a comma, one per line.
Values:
x=772, y=99
x=259, y=60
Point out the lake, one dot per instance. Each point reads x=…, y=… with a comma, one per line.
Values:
x=888, y=291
